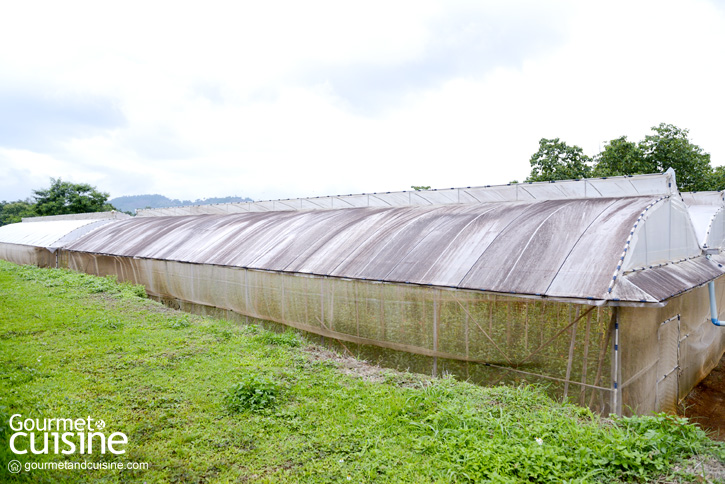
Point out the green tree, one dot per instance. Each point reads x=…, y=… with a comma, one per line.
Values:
x=669, y=147
x=717, y=179
x=419, y=188
x=622, y=157
x=65, y=197
x=13, y=212
x=556, y=160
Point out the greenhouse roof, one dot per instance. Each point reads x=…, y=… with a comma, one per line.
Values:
x=707, y=211
x=609, y=187
x=47, y=234
x=622, y=240
x=600, y=249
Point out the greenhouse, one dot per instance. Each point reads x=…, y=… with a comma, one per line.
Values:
x=596, y=288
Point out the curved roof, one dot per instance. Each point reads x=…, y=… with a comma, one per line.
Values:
x=626, y=239
x=47, y=234
x=707, y=211
x=558, y=248
x=608, y=187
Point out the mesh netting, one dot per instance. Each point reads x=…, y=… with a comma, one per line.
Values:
x=482, y=337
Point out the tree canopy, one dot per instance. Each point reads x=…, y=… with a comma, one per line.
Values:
x=668, y=146
x=66, y=197
x=13, y=212
x=556, y=160
x=621, y=157
x=59, y=199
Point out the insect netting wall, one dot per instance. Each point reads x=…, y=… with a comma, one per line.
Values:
x=482, y=337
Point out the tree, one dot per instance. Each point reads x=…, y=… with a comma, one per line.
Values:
x=13, y=212
x=555, y=160
x=622, y=157
x=419, y=188
x=717, y=179
x=670, y=147
x=65, y=197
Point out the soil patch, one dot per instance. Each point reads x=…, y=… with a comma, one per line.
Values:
x=352, y=366
x=705, y=404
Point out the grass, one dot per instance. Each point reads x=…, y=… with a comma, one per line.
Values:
x=205, y=400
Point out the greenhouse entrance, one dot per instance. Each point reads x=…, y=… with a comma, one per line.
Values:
x=668, y=364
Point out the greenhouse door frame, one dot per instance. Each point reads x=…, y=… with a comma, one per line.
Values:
x=668, y=365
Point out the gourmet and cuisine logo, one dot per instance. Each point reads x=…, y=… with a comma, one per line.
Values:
x=63, y=436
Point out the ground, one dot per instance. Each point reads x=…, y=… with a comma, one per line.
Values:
x=706, y=403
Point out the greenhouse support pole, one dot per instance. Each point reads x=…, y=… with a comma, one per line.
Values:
x=616, y=394
x=713, y=305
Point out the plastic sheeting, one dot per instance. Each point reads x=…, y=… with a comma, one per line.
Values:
x=49, y=234
x=707, y=211
x=666, y=351
x=28, y=255
x=552, y=248
x=623, y=186
x=715, y=235
x=702, y=217
x=112, y=215
x=668, y=280
x=556, y=248
x=665, y=233
x=703, y=198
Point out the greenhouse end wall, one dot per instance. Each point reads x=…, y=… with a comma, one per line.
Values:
x=27, y=254
x=566, y=347
x=667, y=351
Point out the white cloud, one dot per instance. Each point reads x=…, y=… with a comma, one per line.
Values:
x=284, y=99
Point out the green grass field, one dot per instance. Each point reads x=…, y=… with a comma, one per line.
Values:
x=204, y=400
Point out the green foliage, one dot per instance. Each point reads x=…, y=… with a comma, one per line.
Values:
x=652, y=443
x=181, y=322
x=60, y=199
x=556, y=160
x=668, y=147
x=288, y=338
x=419, y=188
x=253, y=392
x=717, y=179
x=70, y=351
x=67, y=279
x=622, y=157
x=66, y=198
x=13, y=212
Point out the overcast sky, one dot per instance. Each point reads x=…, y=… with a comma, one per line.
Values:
x=286, y=99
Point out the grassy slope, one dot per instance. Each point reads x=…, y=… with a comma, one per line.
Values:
x=72, y=345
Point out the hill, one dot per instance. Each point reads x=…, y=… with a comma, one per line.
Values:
x=129, y=203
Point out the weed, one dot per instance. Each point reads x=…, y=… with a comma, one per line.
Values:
x=253, y=392
x=180, y=322
x=156, y=376
x=249, y=329
x=107, y=323
x=68, y=279
x=288, y=338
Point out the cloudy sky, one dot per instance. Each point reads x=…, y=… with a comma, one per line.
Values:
x=281, y=99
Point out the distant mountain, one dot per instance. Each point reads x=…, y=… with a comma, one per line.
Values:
x=130, y=203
